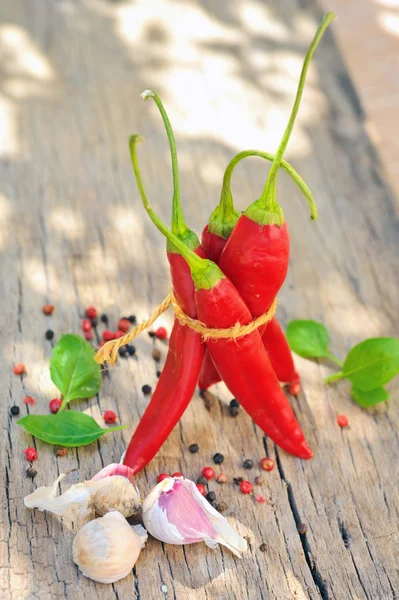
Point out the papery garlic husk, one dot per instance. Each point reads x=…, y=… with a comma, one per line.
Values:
x=107, y=548
x=113, y=488
x=176, y=513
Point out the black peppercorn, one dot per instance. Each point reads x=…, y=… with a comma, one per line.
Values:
x=234, y=403
x=94, y=322
x=302, y=528
x=14, y=410
x=211, y=496
x=123, y=352
x=193, y=448
x=248, y=464
x=151, y=334
x=146, y=389
x=31, y=472
x=263, y=547
x=49, y=334
x=131, y=349
x=159, y=373
x=156, y=355
x=104, y=319
x=132, y=319
x=233, y=411
x=201, y=479
x=221, y=507
x=218, y=458
x=237, y=480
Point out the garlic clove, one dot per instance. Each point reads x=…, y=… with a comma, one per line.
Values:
x=176, y=513
x=107, y=548
x=113, y=488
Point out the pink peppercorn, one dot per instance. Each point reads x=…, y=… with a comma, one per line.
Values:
x=88, y=335
x=29, y=400
x=221, y=478
x=86, y=325
x=91, y=312
x=267, y=464
x=19, y=369
x=162, y=476
x=208, y=472
x=54, y=405
x=30, y=454
x=177, y=474
x=109, y=416
x=124, y=325
x=246, y=487
x=201, y=488
x=342, y=420
x=108, y=335
x=161, y=333
x=48, y=309
x=259, y=498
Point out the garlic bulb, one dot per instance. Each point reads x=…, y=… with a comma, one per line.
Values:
x=107, y=548
x=113, y=488
x=176, y=513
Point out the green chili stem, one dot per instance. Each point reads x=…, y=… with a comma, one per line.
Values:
x=268, y=198
x=334, y=377
x=334, y=359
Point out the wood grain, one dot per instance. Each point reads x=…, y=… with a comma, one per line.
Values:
x=73, y=233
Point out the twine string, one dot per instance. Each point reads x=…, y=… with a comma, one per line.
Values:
x=109, y=351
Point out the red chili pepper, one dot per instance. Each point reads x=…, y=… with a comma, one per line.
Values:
x=30, y=454
x=179, y=376
x=208, y=472
x=55, y=405
x=109, y=416
x=244, y=366
x=201, y=488
x=246, y=487
x=91, y=312
x=162, y=476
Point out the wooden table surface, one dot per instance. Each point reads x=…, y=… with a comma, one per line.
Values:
x=73, y=233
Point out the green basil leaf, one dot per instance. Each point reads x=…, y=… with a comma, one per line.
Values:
x=73, y=368
x=370, y=398
x=70, y=428
x=372, y=363
x=308, y=339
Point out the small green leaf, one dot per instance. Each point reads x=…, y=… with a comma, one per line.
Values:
x=309, y=339
x=372, y=363
x=370, y=398
x=70, y=428
x=73, y=368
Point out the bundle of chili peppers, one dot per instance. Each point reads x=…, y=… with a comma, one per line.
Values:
x=232, y=276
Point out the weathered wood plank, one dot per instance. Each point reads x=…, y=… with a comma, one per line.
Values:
x=74, y=233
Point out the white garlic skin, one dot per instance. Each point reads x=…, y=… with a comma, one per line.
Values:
x=117, y=494
x=107, y=548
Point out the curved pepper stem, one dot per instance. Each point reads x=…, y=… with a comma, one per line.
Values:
x=266, y=210
x=179, y=225
x=204, y=272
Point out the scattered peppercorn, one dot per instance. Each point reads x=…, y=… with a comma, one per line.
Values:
x=233, y=411
x=342, y=420
x=156, y=355
x=49, y=334
x=104, y=319
x=131, y=350
x=91, y=312
x=94, y=322
x=248, y=464
x=124, y=325
x=259, y=498
x=221, y=507
x=246, y=487
x=109, y=416
x=146, y=389
x=86, y=324
x=29, y=400
x=123, y=353
x=218, y=458
x=88, y=335
x=193, y=448
x=151, y=334
x=221, y=478
x=31, y=473
x=267, y=464
x=132, y=319
x=55, y=405
x=162, y=476
x=19, y=369
x=237, y=480
x=211, y=496
x=159, y=373
x=201, y=488
x=108, y=335
x=14, y=410
x=234, y=403
x=177, y=474
x=208, y=472
x=201, y=480
x=30, y=454
x=161, y=333
x=61, y=451
x=118, y=334
x=263, y=547
x=302, y=528
x=48, y=309
x=259, y=480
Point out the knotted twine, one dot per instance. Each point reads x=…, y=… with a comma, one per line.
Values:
x=109, y=351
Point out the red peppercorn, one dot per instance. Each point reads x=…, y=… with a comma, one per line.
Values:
x=267, y=464
x=246, y=487
x=88, y=335
x=118, y=334
x=48, y=309
x=221, y=478
x=29, y=400
x=91, y=312
x=54, y=405
x=19, y=369
x=30, y=454
x=201, y=488
x=162, y=476
x=109, y=335
x=86, y=325
x=109, y=416
x=342, y=420
x=161, y=333
x=124, y=325
x=177, y=474
x=259, y=498
x=208, y=472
